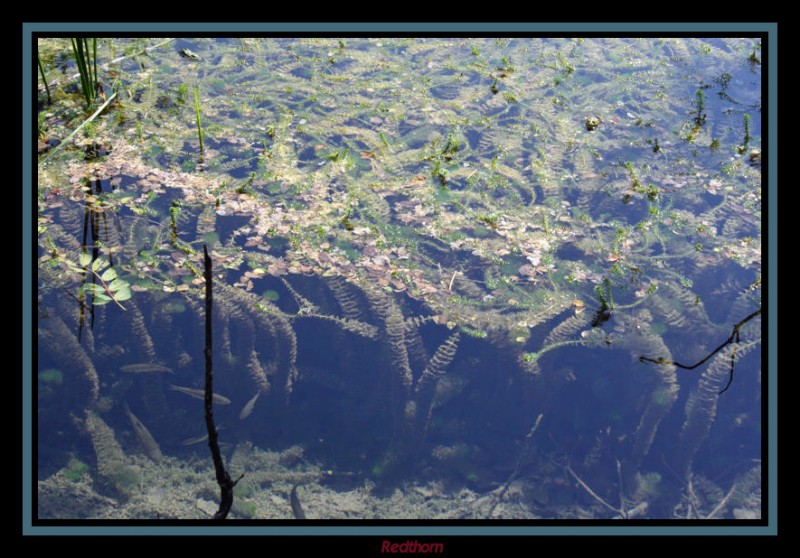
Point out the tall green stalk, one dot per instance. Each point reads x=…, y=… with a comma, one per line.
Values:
x=44, y=78
x=86, y=60
x=197, y=114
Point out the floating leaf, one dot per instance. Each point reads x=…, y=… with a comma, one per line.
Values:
x=116, y=284
x=93, y=289
x=109, y=275
x=85, y=259
x=124, y=293
x=101, y=298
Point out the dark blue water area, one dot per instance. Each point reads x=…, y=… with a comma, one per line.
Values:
x=340, y=409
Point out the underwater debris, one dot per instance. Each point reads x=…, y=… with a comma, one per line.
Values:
x=297, y=509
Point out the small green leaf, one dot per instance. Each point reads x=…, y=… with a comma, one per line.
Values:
x=124, y=293
x=97, y=265
x=117, y=284
x=100, y=299
x=73, y=267
x=109, y=275
x=93, y=289
x=85, y=259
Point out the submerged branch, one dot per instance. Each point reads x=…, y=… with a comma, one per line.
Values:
x=224, y=480
x=592, y=493
x=734, y=338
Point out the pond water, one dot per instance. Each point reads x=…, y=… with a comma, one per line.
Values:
x=437, y=264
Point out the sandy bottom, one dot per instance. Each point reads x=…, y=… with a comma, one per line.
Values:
x=181, y=489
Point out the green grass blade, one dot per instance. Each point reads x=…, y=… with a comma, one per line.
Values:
x=57, y=148
x=44, y=78
x=80, y=47
x=197, y=114
x=94, y=61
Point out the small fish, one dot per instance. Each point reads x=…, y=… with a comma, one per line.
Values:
x=297, y=509
x=197, y=439
x=249, y=406
x=149, y=444
x=201, y=394
x=145, y=367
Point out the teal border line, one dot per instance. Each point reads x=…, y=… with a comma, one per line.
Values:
x=399, y=27
x=214, y=529
x=27, y=269
x=772, y=283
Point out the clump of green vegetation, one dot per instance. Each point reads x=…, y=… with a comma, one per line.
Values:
x=753, y=58
x=125, y=478
x=245, y=508
x=606, y=303
x=472, y=332
x=340, y=155
x=635, y=185
x=183, y=91
x=51, y=376
x=662, y=397
x=86, y=58
x=44, y=78
x=244, y=490
x=700, y=107
x=439, y=173
x=173, y=307
x=742, y=149
x=452, y=146
x=530, y=357
x=490, y=221
x=75, y=470
x=197, y=115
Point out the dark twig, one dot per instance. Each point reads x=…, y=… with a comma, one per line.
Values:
x=734, y=338
x=223, y=478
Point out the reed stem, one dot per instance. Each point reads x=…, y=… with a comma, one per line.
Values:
x=197, y=114
x=87, y=67
x=44, y=78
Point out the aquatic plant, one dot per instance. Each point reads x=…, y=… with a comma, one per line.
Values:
x=51, y=376
x=86, y=59
x=110, y=287
x=197, y=117
x=113, y=465
x=44, y=78
x=422, y=245
x=75, y=470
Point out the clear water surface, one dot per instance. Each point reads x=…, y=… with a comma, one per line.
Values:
x=437, y=263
